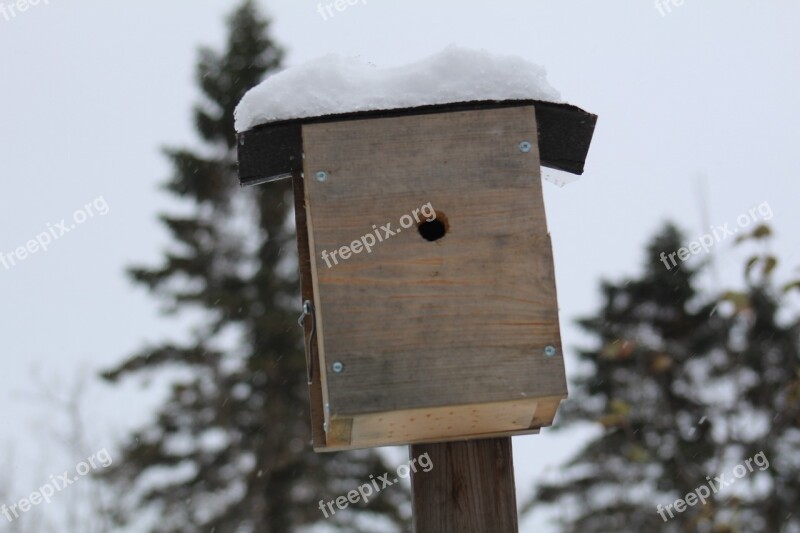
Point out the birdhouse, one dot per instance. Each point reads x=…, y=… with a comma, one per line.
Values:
x=430, y=307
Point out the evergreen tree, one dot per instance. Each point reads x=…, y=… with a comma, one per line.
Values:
x=686, y=385
x=230, y=448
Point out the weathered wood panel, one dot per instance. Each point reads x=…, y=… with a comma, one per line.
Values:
x=442, y=423
x=463, y=320
x=307, y=292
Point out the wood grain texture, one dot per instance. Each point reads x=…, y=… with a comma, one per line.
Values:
x=340, y=433
x=463, y=320
x=307, y=294
x=545, y=412
x=363, y=444
x=443, y=423
x=470, y=488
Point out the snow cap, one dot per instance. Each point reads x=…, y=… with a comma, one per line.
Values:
x=334, y=84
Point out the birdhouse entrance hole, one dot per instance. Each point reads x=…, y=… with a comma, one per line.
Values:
x=435, y=229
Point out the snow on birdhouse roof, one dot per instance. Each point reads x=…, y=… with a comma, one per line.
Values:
x=334, y=84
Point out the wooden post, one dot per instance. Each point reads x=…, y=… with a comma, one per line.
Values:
x=470, y=488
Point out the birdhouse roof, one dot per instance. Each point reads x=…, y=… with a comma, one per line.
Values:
x=270, y=116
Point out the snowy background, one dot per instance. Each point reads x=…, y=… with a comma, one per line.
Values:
x=699, y=114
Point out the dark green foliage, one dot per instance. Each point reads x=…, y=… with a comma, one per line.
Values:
x=685, y=385
x=230, y=447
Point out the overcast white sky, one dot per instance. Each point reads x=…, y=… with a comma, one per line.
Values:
x=90, y=90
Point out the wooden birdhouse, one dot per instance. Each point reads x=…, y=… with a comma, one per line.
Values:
x=426, y=266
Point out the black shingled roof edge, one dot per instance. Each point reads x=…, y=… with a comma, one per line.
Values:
x=274, y=150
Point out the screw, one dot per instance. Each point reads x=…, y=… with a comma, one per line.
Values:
x=525, y=147
x=549, y=350
x=307, y=307
x=322, y=176
x=337, y=367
